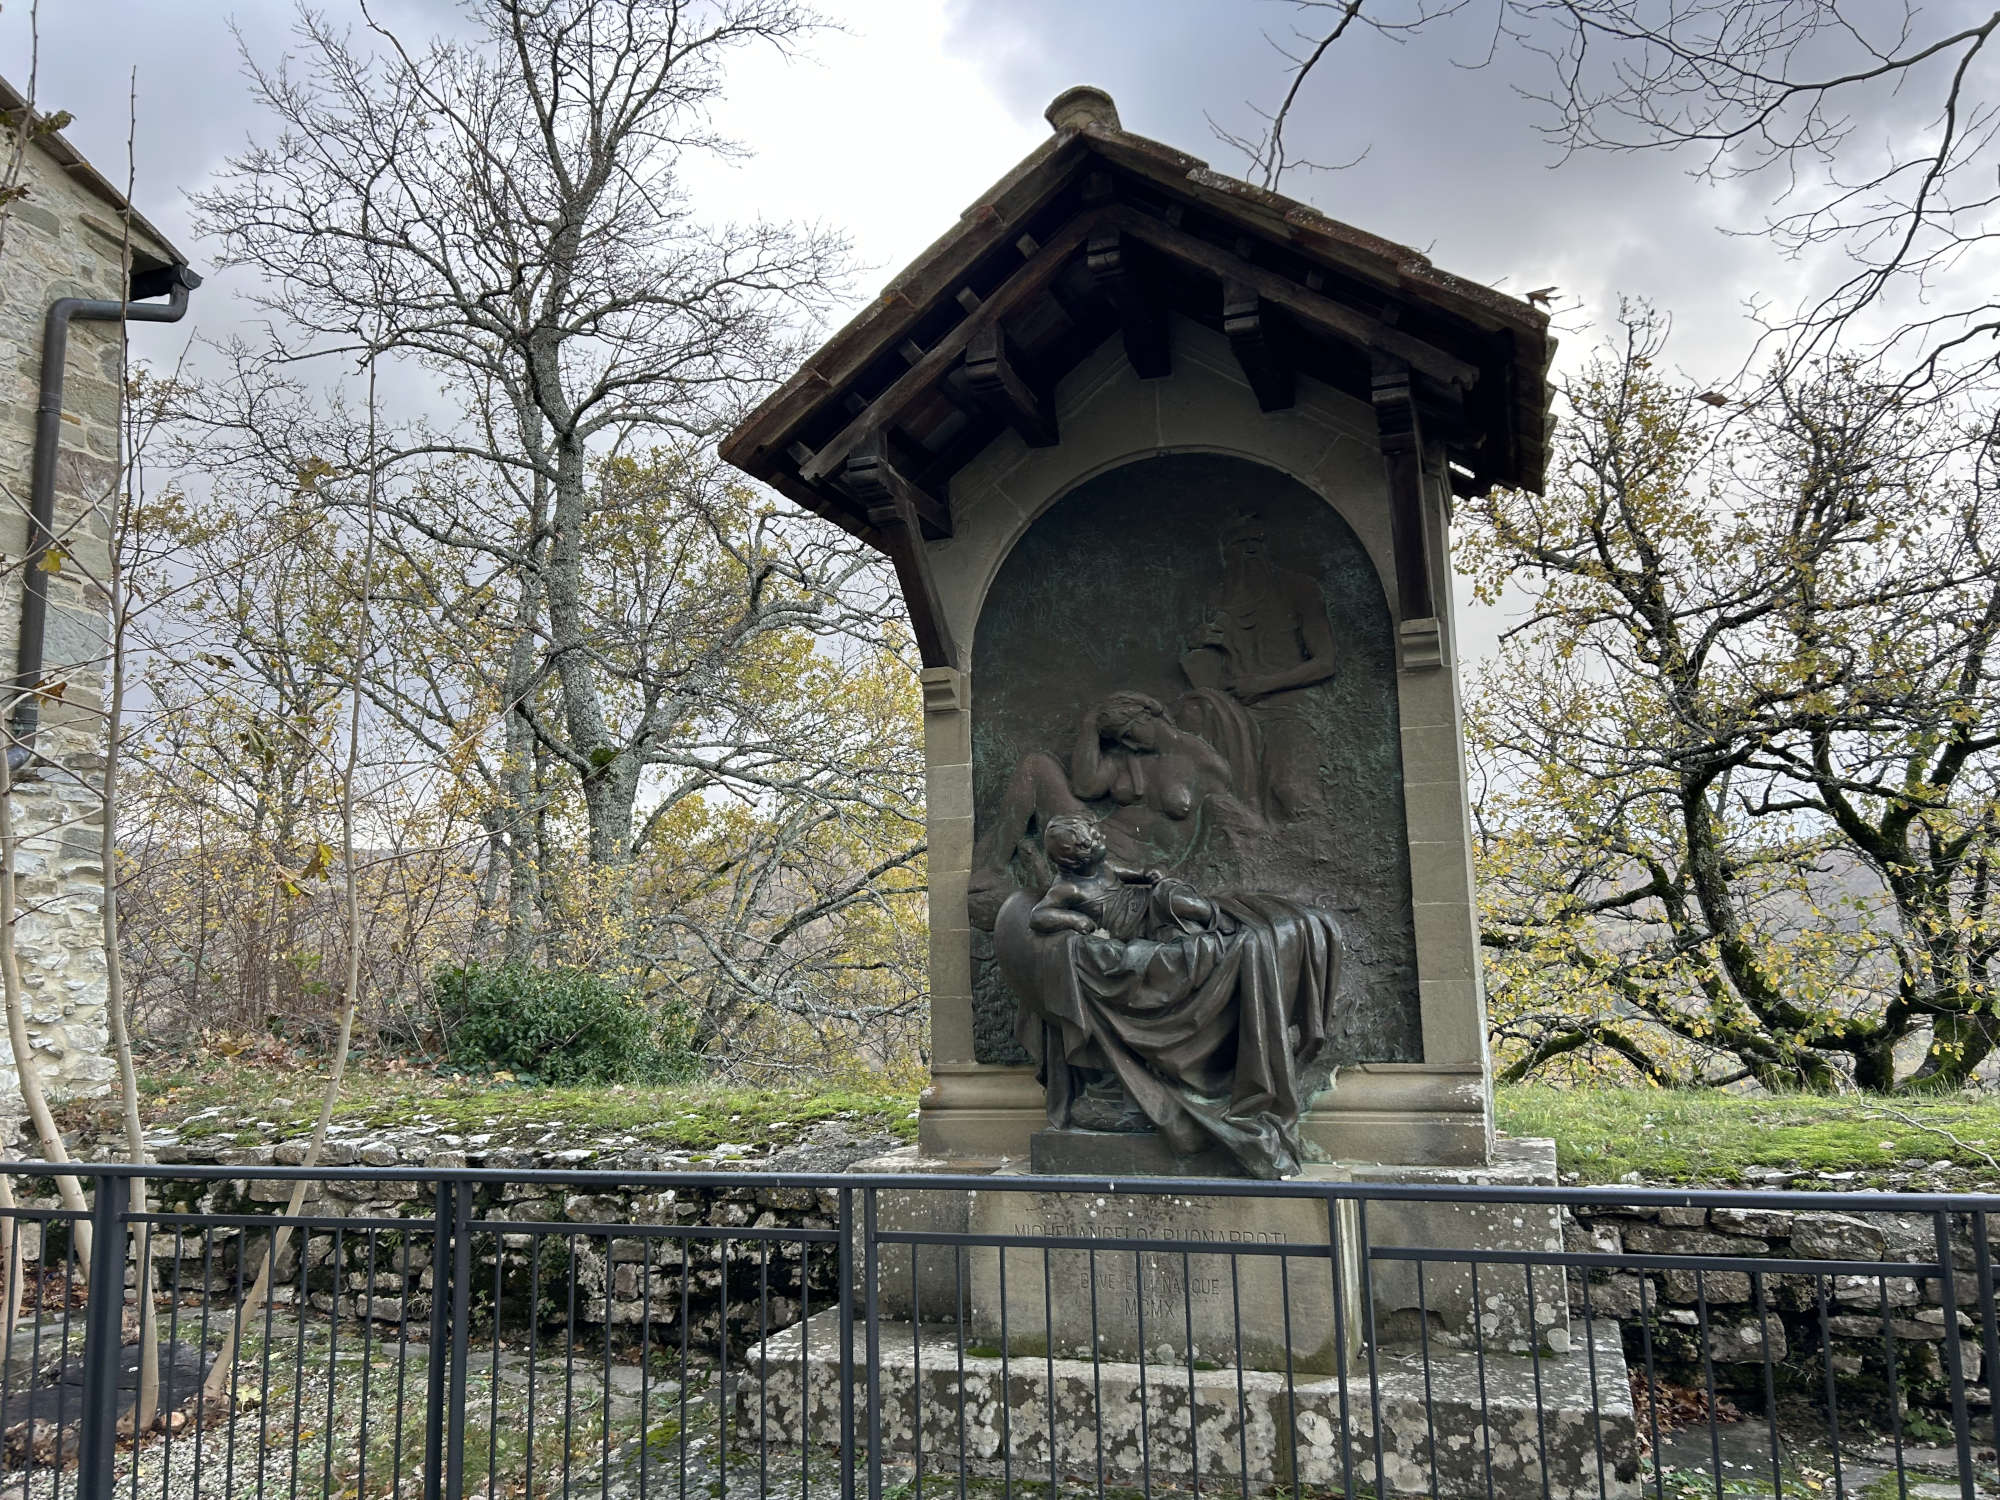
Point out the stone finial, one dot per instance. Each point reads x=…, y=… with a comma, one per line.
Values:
x=1083, y=105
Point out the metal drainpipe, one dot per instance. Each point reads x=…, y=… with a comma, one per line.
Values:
x=176, y=282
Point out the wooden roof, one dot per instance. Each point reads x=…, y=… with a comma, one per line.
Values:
x=1096, y=234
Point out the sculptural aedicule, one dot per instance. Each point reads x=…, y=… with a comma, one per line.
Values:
x=1151, y=1005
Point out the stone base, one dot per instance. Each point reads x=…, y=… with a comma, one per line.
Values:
x=1423, y=1114
x=1250, y=1307
x=1514, y=1428
x=1511, y=1300
x=1443, y=1305
x=1122, y=1153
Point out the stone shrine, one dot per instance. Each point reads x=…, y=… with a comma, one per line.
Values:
x=1165, y=465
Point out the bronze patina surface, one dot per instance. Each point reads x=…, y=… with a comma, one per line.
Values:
x=1194, y=654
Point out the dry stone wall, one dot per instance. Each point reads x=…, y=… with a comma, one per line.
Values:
x=630, y=1291
x=1792, y=1323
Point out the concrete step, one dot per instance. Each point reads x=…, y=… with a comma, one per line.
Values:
x=1512, y=1426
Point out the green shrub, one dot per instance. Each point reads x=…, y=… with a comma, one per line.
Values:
x=558, y=1026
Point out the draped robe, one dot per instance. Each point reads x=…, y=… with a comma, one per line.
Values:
x=1207, y=1026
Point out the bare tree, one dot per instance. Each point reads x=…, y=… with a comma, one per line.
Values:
x=360, y=647
x=1870, y=125
x=513, y=210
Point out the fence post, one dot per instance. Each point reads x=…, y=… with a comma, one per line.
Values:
x=844, y=1257
x=1989, y=1323
x=1954, y=1358
x=872, y=1304
x=434, y=1391
x=103, y=1339
x=461, y=1316
x=1365, y=1251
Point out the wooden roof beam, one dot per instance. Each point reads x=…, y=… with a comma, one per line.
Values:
x=1030, y=281
x=893, y=500
x=1314, y=311
x=1261, y=345
x=1401, y=427
x=1142, y=317
x=880, y=453
x=998, y=386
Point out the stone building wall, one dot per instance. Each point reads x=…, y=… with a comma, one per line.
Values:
x=62, y=240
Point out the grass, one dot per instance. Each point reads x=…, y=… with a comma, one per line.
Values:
x=690, y=1117
x=321, y=1421
x=1603, y=1135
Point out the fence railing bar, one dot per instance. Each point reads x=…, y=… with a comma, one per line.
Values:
x=1892, y=1374
x=173, y=1343
x=687, y=1311
x=434, y=1394
x=1822, y=1286
x=493, y=1379
x=331, y=1291
x=1919, y=1270
x=872, y=1307
x=1596, y=1395
x=1049, y=1365
x=845, y=1280
x=103, y=1340
x=1379, y=1479
x=1430, y=1396
x=1989, y=1318
x=1708, y=1381
x=958, y=1327
x=1762, y=1304
x=402, y=1369
x=1242, y=1410
x=721, y=1372
x=1151, y=1244
x=1652, y=1389
x=1145, y=1406
x=1535, y=1361
x=916, y=1375
x=333, y=1362
x=1485, y=1410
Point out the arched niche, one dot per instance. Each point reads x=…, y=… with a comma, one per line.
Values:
x=1107, y=591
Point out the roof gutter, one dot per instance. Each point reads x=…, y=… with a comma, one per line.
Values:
x=174, y=282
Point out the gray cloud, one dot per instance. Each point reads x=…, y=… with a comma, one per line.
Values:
x=912, y=111
x=1455, y=162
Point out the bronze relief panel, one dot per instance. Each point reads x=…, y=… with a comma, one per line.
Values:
x=1194, y=654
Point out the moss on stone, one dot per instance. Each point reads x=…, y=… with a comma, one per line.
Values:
x=1711, y=1136
x=685, y=1117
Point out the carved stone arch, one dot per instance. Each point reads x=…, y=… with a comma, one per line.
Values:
x=1352, y=510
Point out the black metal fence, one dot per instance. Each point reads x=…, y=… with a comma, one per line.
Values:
x=546, y=1333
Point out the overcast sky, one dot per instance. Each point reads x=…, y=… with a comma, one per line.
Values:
x=896, y=122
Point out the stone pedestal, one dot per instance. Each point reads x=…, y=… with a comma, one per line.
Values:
x=1106, y=1153
x=1179, y=1364
x=1281, y=1290
x=1511, y=1300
